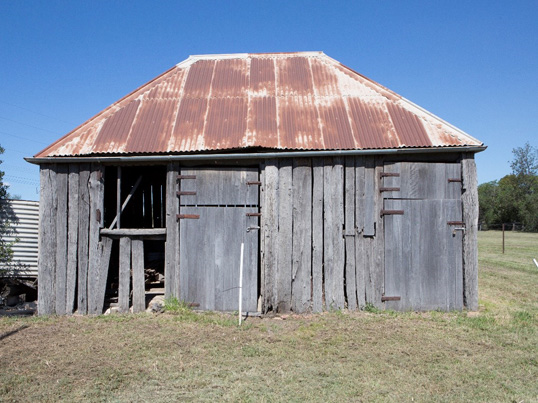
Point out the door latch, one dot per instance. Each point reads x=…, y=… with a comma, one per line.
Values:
x=252, y=228
x=462, y=229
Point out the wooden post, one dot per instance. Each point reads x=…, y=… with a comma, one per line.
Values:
x=61, y=238
x=503, y=239
x=118, y=198
x=95, y=248
x=270, y=234
x=47, y=241
x=317, y=234
x=139, y=292
x=470, y=244
x=83, y=239
x=350, y=233
x=171, y=262
x=72, y=236
x=124, y=274
x=302, y=236
x=285, y=204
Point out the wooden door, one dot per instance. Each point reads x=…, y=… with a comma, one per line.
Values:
x=217, y=207
x=423, y=236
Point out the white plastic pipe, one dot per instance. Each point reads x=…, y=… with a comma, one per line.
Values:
x=535, y=262
x=241, y=285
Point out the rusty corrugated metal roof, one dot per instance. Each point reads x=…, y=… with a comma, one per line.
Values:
x=280, y=101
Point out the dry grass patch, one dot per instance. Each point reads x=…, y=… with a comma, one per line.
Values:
x=387, y=356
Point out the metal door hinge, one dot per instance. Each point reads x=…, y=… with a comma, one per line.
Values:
x=188, y=216
x=179, y=177
x=385, y=298
x=258, y=183
x=381, y=190
x=254, y=214
x=385, y=174
x=186, y=193
x=454, y=180
x=391, y=212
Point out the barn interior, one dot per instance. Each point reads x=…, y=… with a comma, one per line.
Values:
x=135, y=198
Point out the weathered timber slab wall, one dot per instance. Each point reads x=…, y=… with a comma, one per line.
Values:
x=322, y=242
x=322, y=239
x=73, y=261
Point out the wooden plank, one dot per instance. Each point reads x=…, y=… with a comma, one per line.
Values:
x=118, y=199
x=263, y=225
x=220, y=186
x=96, y=189
x=72, y=237
x=148, y=211
x=61, y=238
x=171, y=265
x=317, y=234
x=338, y=238
x=470, y=245
x=139, y=232
x=370, y=194
x=139, y=288
x=377, y=266
x=350, y=233
x=360, y=240
x=333, y=242
x=285, y=206
x=46, y=303
x=104, y=262
x=83, y=238
x=269, y=210
x=124, y=274
x=302, y=236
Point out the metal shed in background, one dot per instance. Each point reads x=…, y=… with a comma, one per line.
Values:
x=24, y=217
x=343, y=192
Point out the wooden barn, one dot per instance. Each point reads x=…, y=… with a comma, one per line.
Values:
x=343, y=193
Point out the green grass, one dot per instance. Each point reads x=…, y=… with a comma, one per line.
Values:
x=181, y=355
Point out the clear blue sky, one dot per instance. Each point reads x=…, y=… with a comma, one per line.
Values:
x=472, y=63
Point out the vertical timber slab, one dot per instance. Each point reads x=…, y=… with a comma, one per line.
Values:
x=83, y=238
x=369, y=212
x=317, y=234
x=302, y=236
x=72, y=236
x=104, y=261
x=350, y=233
x=269, y=209
x=470, y=218
x=338, y=235
x=360, y=241
x=46, y=304
x=96, y=188
x=61, y=238
x=261, y=199
x=124, y=274
x=139, y=292
x=377, y=268
x=171, y=271
x=334, y=246
x=285, y=227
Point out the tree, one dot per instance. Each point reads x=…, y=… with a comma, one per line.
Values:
x=525, y=161
x=513, y=198
x=6, y=219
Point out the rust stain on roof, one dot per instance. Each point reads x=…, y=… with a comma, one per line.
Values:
x=281, y=101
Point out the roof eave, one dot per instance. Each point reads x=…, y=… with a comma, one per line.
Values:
x=256, y=155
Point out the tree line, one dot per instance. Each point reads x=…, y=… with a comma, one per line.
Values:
x=513, y=198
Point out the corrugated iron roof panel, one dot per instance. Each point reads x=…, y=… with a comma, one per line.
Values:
x=299, y=101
